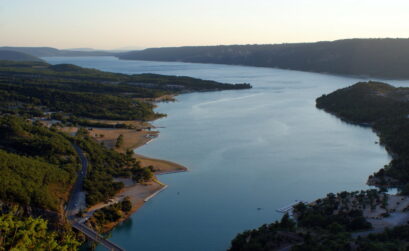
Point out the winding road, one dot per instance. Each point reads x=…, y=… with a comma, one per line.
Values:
x=73, y=206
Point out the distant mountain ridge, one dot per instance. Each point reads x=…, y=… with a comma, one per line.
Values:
x=53, y=52
x=383, y=58
x=17, y=56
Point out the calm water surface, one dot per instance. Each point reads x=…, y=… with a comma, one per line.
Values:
x=248, y=149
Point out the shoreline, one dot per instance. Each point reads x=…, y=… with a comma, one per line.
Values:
x=161, y=166
x=155, y=193
x=139, y=194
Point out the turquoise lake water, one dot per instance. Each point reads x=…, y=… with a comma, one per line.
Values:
x=245, y=149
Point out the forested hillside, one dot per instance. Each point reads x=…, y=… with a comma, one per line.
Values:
x=384, y=58
x=34, y=87
x=38, y=165
x=17, y=56
x=386, y=109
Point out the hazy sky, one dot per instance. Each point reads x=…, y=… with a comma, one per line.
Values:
x=109, y=24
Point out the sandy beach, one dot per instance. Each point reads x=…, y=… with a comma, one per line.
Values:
x=131, y=138
x=160, y=166
x=397, y=208
x=137, y=193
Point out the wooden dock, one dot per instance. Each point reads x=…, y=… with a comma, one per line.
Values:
x=289, y=208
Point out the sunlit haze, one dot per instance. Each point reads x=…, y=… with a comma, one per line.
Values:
x=115, y=24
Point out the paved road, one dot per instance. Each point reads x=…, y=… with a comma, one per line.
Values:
x=73, y=206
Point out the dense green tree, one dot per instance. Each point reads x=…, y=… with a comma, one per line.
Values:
x=37, y=164
x=119, y=141
x=27, y=233
x=126, y=205
x=141, y=174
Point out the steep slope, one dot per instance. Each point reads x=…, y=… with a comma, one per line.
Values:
x=385, y=58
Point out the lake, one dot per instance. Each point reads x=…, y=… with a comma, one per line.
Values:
x=249, y=152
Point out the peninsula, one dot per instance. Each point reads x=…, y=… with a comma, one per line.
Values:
x=361, y=220
x=55, y=119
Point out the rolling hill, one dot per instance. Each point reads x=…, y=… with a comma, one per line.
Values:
x=17, y=56
x=53, y=52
